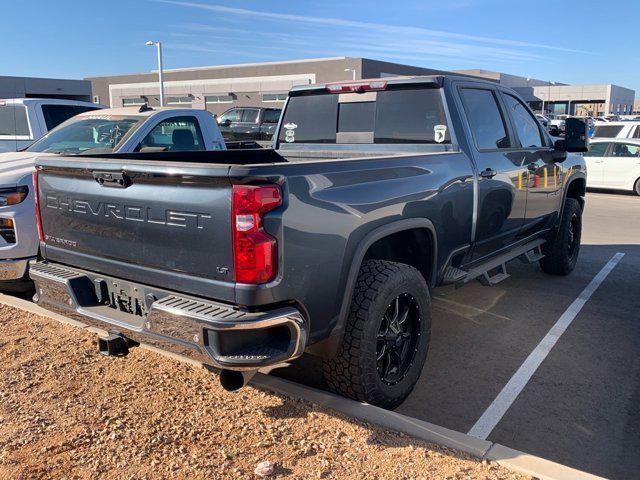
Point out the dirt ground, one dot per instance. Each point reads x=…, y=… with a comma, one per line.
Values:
x=67, y=412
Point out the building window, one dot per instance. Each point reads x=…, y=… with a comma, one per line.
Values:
x=96, y=99
x=179, y=100
x=218, y=99
x=274, y=97
x=130, y=102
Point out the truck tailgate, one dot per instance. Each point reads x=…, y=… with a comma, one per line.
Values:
x=140, y=221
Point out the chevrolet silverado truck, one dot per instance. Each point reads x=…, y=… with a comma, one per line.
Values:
x=129, y=129
x=375, y=192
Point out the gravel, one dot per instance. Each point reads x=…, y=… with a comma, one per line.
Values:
x=67, y=412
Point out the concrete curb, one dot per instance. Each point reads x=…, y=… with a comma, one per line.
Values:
x=509, y=458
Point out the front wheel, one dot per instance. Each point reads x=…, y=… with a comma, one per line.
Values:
x=636, y=187
x=386, y=336
x=561, y=251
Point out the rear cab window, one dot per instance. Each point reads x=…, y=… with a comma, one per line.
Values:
x=396, y=115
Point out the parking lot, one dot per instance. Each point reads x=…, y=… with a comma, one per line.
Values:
x=581, y=407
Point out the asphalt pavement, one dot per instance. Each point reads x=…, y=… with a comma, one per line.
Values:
x=581, y=406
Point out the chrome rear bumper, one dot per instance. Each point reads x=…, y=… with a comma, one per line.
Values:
x=217, y=334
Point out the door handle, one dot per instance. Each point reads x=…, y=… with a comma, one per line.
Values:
x=488, y=173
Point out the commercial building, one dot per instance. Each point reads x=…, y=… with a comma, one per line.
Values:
x=560, y=98
x=219, y=88
x=30, y=87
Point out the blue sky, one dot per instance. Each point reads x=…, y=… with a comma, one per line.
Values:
x=566, y=41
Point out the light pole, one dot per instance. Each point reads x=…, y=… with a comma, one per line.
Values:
x=158, y=45
x=352, y=70
x=548, y=97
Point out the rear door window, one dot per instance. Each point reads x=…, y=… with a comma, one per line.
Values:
x=249, y=115
x=414, y=115
x=607, y=131
x=625, y=150
x=13, y=121
x=485, y=119
x=271, y=116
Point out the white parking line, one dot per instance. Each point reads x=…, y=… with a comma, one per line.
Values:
x=492, y=415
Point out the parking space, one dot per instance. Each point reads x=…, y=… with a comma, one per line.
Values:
x=581, y=407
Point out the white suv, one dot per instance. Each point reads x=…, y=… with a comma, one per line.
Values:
x=629, y=129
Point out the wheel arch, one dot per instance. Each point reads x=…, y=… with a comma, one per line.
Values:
x=329, y=346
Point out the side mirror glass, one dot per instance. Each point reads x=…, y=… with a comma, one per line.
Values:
x=576, y=135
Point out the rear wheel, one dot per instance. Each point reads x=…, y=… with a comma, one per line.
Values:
x=561, y=251
x=386, y=336
x=636, y=188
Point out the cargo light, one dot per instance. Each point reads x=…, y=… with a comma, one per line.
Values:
x=356, y=87
x=255, y=252
x=37, y=202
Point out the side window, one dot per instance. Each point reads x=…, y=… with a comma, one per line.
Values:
x=485, y=119
x=636, y=134
x=54, y=115
x=250, y=115
x=179, y=134
x=597, y=149
x=271, y=116
x=625, y=150
x=526, y=126
x=232, y=115
x=13, y=120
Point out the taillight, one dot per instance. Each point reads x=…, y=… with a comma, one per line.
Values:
x=36, y=195
x=356, y=87
x=255, y=252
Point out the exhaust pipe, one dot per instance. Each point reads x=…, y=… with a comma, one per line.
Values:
x=232, y=380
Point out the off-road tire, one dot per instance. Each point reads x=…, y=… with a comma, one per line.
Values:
x=353, y=372
x=560, y=258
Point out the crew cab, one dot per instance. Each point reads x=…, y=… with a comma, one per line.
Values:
x=132, y=129
x=376, y=192
x=249, y=123
x=24, y=120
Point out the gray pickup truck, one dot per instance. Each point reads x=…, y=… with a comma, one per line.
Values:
x=375, y=192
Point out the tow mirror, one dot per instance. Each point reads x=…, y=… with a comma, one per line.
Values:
x=576, y=135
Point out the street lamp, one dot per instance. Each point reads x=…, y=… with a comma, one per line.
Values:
x=352, y=70
x=159, y=48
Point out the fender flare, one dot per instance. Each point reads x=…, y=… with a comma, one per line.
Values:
x=330, y=345
x=576, y=176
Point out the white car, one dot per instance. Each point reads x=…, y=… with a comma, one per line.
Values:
x=614, y=163
x=25, y=120
x=629, y=129
x=115, y=130
x=558, y=122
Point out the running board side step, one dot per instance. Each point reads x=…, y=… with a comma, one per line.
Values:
x=494, y=270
